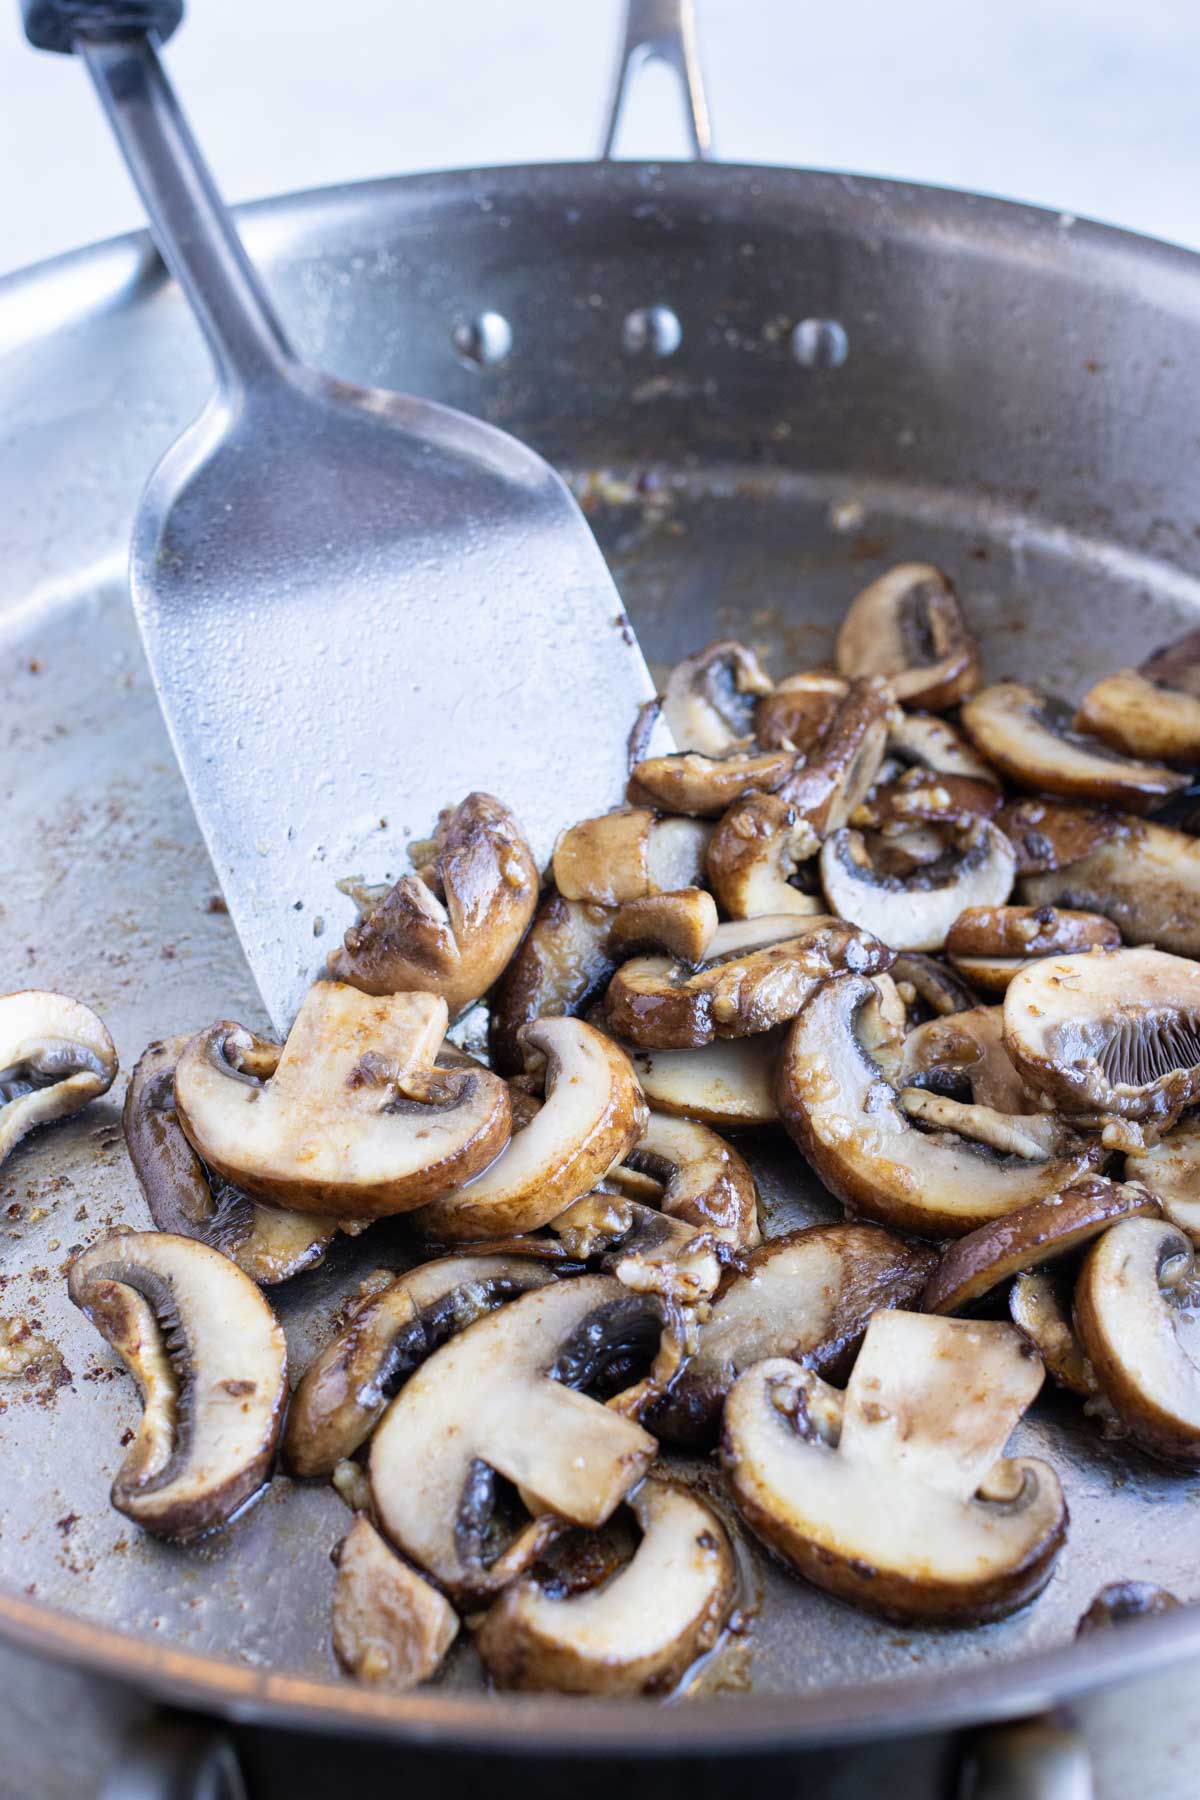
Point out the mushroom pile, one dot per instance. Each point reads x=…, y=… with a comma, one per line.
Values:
x=945, y=936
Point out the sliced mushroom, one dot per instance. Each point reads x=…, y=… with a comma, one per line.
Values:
x=1036, y=1234
x=648, y=1251
x=563, y=964
x=799, y=711
x=1109, y=1032
x=1048, y=835
x=346, y=1388
x=920, y=798
x=934, y=986
x=1135, y=1314
x=681, y=923
x=807, y=1296
x=1145, y=878
x=1041, y=1311
x=729, y=1084
x=845, y=765
x=391, y=1628
x=710, y=698
x=928, y=742
x=1142, y=718
x=703, y=786
x=593, y=1116
x=659, y=1004
x=964, y=1050
x=754, y=851
x=916, y=912
x=1119, y=1601
x=55, y=1056
x=352, y=1118
x=703, y=1180
x=895, y=1495
x=212, y=1364
x=267, y=1244
x=909, y=626
x=1030, y=738
x=626, y=854
x=642, y=1630
x=1033, y=1136
x=501, y=1398
x=988, y=944
x=848, y=1122
x=452, y=928
x=1171, y=1172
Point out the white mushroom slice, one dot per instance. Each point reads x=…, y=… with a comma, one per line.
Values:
x=758, y=845
x=659, y=1004
x=808, y=1296
x=909, y=626
x=1135, y=1313
x=848, y=1122
x=563, y=964
x=346, y=1388
x=988, y=944
x=916, y=912
x=1034, y=1136
x=729, y=1084
x=354, y=1119
x=593, y=1116
x=709, y=702
x=928, y=742
x=637, y=1634
x=702, y=787
x=626, y=854
x=55, y=1056
x=452, y=928
x=704, y=1180
x=230, y=1375
x=1029, y=737
x=825, y=789
x=903, y=1504
x=1144, y=877
x=1142, y=718
x=1040, y=1309
x=501, y=1398
x=391, y=1628
x=800, y=710
x=681, y=923
x=1171, y=1172
x=965, y=1048
x=1109, y=1032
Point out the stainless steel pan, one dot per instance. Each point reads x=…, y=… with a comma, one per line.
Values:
x=767, y=384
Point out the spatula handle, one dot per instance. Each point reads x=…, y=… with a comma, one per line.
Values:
x=58, y=24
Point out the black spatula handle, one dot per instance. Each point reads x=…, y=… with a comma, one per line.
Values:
x=59, y=24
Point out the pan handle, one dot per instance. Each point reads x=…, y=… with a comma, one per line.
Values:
x=1033, y=1759
x=661, y=31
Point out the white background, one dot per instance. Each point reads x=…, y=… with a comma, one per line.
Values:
x=1088, y=106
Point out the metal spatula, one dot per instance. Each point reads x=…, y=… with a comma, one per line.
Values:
x=357, y=606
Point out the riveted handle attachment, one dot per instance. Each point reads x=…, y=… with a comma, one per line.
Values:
x=62, y=24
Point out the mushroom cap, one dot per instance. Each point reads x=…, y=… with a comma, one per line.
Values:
x=413, y=941
x=563, y=964
x=1134, y=1311
x=703, y=786
x=916, y=912
x=911, y=1513
x=1108, y=1031
x=592, y=1117
x=799, y=711
x=1030, y=738
x=848, y=1122
x=55, y=1056
x=642, y=1630
x=908, y=626
x=1144, y=877
x=626, y=854
x=729, y=1084
x=391, y=1628
x=710, y=698
x=988, y=944
x=1142, y=718
x=354, y=1120
x=502, y=1396
x=758, y=844
x=158, y=1298
x=808, y=1296
x=1171, y=1172
x=705, y=1182
x=1049, y=834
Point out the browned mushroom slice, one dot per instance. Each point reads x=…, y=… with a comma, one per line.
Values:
x=808, y=1296
x=988, y=944
x=593, y=1116
x=1135, y=1311
x=452, y=928
x=919, y=798
x=1141, y=718
x=753, y=853
x=848, y=1122
x=710, y=698
x=927, y=742
x=391, y=1628
x=1171, y=1172
x=212, y=1363
x=842, y=770
x=1030, y=738
x=936, y=988
x=350, y=1117
x=55, y=1056
x=916, y=911
x=626, y=854
x=1040, y=1307
x=1049, y=1228
x=649, y=1252
x=704, y=786
x=729, y=1084
x=896, y=1495
x=681, y=923
x=1119, y=1601
x=1112, y=1032
x=502, y=1398
x=345, y=1389
x=702, y=1179
x=563, y=964
x=964, y=1050
x=800, y=710
x=265, y=1242
x=659, y=1004
x=1144, y=877
x=909, y=626
x=1052, y=834
x=637, y=1633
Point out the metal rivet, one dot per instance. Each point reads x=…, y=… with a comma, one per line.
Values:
x=653, y=331
x=484, y=340
x=820, y=344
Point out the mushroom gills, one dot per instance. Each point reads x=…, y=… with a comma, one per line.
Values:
x=916, y=912
x=710, y=698
x=55, y=1056
x=908, y=626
